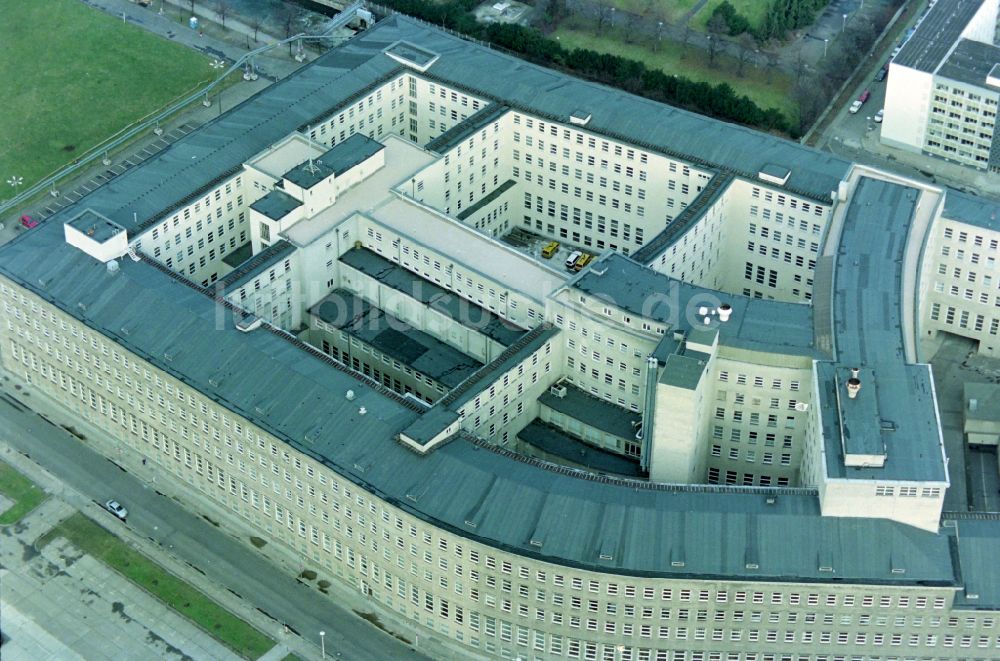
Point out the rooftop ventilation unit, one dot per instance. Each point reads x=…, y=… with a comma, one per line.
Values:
x=725, y=310
x=362, y=411
x=350, y=395
x=113, y=266
x=248, y=323
x=558, y=390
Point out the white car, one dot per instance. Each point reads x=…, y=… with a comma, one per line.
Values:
x=879, y=115
x=855, y=107
x=116, y=508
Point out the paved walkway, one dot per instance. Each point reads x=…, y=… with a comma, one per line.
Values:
x=197, y=542
x=60, y=603
x=228, y=45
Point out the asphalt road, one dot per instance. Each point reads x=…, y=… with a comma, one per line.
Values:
x=190, y=538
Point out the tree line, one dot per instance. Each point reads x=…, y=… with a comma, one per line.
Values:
x=719, y=100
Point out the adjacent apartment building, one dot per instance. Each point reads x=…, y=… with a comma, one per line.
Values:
x=943, y=86
x=718, y=441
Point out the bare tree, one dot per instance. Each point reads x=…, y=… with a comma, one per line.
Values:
x=747, y=47
x=603, y=16
x=686, y=39
x=222, y=10
x=631, y=23
x=716, y=28
x=770, y=64
x=256, y=23
x=287, y=17
x=799, y=66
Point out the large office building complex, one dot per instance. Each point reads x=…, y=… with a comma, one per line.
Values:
x=943, y=87
x=327, y=312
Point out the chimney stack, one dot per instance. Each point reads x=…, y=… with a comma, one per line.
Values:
x=855, y=372
x=853, y=386
x=724, y=311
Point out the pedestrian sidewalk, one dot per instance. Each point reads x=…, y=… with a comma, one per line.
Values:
x=275, y=64
x=37, y=601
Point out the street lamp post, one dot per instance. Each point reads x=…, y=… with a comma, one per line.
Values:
x=826, y=42
x=322, y=644
x=15, y=182
x=612, y=18
x=659, y=31
x=844, y=25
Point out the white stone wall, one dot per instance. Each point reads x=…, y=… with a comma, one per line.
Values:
x=961, y=277
x=478, y=599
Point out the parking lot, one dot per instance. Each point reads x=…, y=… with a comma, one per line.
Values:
x=533, y=244
x=113, y=169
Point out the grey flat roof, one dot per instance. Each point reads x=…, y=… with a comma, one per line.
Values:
x=487, y=199
x=970, y=62
x=859, y=418
x=353, y=151
x=459, y=132
x=868, y=333
x=987, y=396
x=614, y=113
x=395, y=338
x=94, y=225
x=929, y=45
x=217, y=149
x=757, y=324
x=249, y=269
x=593, y=411
x=977, y=543
x=297, y=394
x=276, y=204
x=554, y=441
x=972, y=209
x=684, y=370
x=442, y=300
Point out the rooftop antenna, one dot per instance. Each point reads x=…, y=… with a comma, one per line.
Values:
x=311, y=168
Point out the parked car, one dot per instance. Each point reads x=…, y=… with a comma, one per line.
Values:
x=879, y=115
x=856, y=106
x=116, y=508
x=28, y=222
x=550, y=249
x=571, y=260
x=880, y=76
x=582, y=262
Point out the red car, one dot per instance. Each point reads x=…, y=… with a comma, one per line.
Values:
x=28, y=222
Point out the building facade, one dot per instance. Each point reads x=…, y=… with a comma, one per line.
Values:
x=735, y=345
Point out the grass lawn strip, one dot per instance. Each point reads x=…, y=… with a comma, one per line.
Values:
x=26, y=494
x=671, y=11
x=95, y=76
x=181, y=596
x=671, y=59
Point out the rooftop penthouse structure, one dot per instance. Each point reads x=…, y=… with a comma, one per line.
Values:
x=718, y=439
